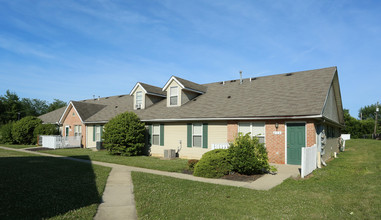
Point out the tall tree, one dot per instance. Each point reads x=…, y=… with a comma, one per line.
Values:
x=33, y=107
x=11, y=106
x=368, y=112
x=56, y=105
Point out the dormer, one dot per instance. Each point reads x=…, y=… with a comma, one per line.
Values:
x=146, y=95
x=180, y=91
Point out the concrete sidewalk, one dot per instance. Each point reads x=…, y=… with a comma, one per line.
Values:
x=118, y=198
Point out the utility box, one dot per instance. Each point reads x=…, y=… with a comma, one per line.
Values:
x=169, y=153
x=99, y=145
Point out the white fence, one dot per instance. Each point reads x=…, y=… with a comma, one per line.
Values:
x=309, y=155
x=220, y=146
x=56, y=142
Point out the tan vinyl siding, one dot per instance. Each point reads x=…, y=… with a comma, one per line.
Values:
x=330, y=109
x=176, y=132
x=151, y=99
x=186, y=96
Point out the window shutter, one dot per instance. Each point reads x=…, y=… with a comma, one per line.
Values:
x=150, y=134
x=93, y=132
x=101, y=133
x=205, y=135
x=161, y=134
x=189, y=135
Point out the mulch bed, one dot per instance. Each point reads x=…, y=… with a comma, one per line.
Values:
x=38, y=149
x=234, y=176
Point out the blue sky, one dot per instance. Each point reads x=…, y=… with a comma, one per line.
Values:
x=72, y=50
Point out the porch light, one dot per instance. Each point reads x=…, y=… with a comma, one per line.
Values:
x=276, y=125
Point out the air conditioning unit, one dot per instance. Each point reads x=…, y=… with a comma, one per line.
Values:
x=169, y=153
x=138, y=106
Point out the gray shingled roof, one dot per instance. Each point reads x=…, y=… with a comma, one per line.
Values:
x=191, y=85
x=52, y=117
x=153, y=89
x=299, y=94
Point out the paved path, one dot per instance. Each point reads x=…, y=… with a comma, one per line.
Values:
x=118, y=194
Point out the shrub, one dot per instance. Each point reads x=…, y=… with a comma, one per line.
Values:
x=191, y=164
x=213, y=164
x=124, y=135
x=22, y=131
x=6, y=133
x=46, y=129
x=248, y=156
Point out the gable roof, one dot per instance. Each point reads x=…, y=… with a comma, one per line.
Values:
x=295, y=94
x=186, y=84
x=299, y=94
x=52, y=117
x=149, y=89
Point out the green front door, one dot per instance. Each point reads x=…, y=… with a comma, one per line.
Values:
x=296, y=139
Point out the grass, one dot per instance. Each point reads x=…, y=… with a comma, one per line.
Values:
x=37, y=187
x=177, y=165
x=17, y=146
x=348, y=188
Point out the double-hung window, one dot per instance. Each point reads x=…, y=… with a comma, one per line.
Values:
x=98, y=133
x=156, y=134
x=256, y=129
x=139, y=99
x=77, y=130
x=197, y=135
x=173, y=94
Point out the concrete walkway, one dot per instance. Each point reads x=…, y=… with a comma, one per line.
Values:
x=118, y=198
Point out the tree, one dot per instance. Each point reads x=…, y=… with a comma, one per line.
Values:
x=6, y=133
x=33, y=107
x=23, y=130
x=56, y=105
x=125, y=135
x=11, y=106
x=368, y=112
x=46, y=129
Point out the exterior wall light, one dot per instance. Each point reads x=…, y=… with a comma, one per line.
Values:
x=276, y=125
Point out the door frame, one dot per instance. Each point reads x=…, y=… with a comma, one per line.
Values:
x=285, y=135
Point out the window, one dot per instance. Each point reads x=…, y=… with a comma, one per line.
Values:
x=197, y=135
x=256, y=129
x=97, y=133
x=77, y=130
x=156, y=134
x=173, y=95
x=139, y=98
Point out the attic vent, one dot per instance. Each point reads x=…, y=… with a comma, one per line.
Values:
x=229, y=97
x=116, y=106
x=106, y=97
x=233, y=80
x=120, y=96
x=289, y=74
x=254, y=78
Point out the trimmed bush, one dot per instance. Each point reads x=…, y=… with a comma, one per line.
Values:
x=213, y=164
x=124, y=135
x=248, y=156
x=6, y=133
x=191, y=164
x=22, y=131
x=46, y=129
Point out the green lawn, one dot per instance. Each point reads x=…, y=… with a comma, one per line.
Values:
x=17, y=146
x=177, y=165
x=37, y=187
x=348, y=188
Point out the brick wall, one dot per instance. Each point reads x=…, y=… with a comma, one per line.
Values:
x=71, y=120
x=232, y=130
x=275, y=142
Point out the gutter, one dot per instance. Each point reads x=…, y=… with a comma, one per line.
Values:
x=231, y=119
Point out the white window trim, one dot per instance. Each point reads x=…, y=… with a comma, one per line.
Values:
x=202, y=132
x=251, y=129
x=141, y=97
x=155, y=134
x=172, y=95
x=77, y=128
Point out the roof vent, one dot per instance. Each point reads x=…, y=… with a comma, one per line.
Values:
x=289, y=74
x=233, y=80
x=106, y=97
x=116, y=106
x=240, y=77
x=120, y=96
x=229, y=97
x=254, y=78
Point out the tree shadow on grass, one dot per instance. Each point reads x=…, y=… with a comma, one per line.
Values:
x=43, y=187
